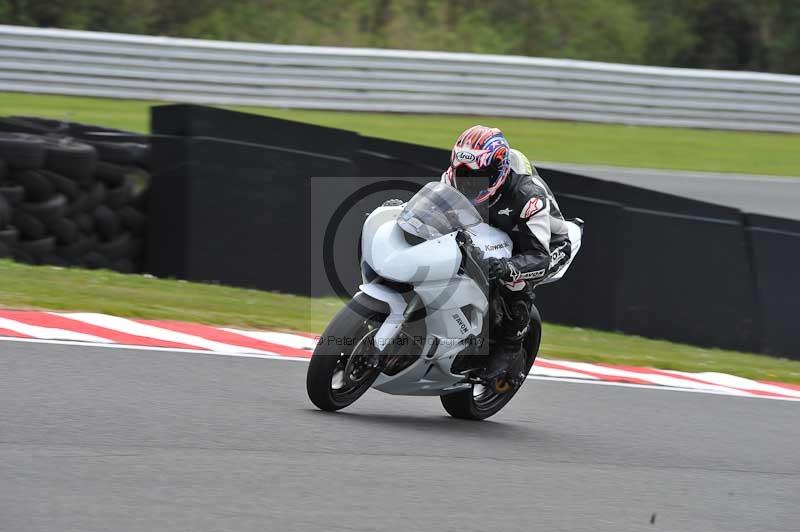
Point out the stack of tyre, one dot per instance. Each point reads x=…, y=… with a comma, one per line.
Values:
x=69, y=203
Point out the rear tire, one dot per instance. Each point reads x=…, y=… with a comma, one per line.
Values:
x=467, y=405
x=353, y=325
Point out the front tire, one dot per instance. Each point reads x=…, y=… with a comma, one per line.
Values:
x=335, y=379
x=478, y=402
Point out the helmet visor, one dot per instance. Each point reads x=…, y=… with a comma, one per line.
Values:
x=476, y=184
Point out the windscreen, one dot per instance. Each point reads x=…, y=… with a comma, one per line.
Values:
x=436, y=210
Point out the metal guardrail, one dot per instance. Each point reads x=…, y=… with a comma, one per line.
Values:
x=360, y=79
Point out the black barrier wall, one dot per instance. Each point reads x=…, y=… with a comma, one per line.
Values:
x=685, y=278
x=167, y=252
x=235, y=213
x=775, y=245
x=200, y=121
x=668, y=267
x=585, y=296
x=255, y=212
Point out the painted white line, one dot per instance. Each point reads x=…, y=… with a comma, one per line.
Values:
x=273, y=356
x=657, y=387
x=286, y=339
x=71, y=343
x=49, y=333
x=151, y=331
x=732, y=381
x=559, y=373
x=653, y=378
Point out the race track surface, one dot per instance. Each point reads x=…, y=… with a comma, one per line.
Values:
x=770, y=195
x=97, y=439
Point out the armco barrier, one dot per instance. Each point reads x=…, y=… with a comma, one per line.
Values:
x=654, y=264
x=317, y=77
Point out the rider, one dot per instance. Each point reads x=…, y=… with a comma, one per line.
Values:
x=510, y=195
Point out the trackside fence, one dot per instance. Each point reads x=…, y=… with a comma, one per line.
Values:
x=215, y=72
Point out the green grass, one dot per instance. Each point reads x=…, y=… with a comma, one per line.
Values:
x=139, y=296
x=144, y=296
x=542, y=140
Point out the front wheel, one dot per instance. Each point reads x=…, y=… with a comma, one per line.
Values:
x=480, y=402
x=344, y=363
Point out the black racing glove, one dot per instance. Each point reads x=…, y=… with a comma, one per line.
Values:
x=500, y=270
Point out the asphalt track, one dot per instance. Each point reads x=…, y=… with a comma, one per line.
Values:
x=96, y=439
x=770, y=195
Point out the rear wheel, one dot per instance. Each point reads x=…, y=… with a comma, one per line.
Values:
x=480, y=402
x=345, y=362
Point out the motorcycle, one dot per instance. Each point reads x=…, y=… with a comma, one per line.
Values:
x=423, y=319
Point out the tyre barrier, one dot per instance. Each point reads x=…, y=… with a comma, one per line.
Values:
x=74, y=199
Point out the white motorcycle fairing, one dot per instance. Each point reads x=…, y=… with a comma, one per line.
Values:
x=455, y=304
x=389, y=255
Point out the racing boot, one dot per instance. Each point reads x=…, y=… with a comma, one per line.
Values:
x=506, y=368
x=505, y=371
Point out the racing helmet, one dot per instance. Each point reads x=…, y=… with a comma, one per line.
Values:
x=479, y=163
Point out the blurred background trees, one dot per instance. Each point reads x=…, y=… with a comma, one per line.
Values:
x=759, y=35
